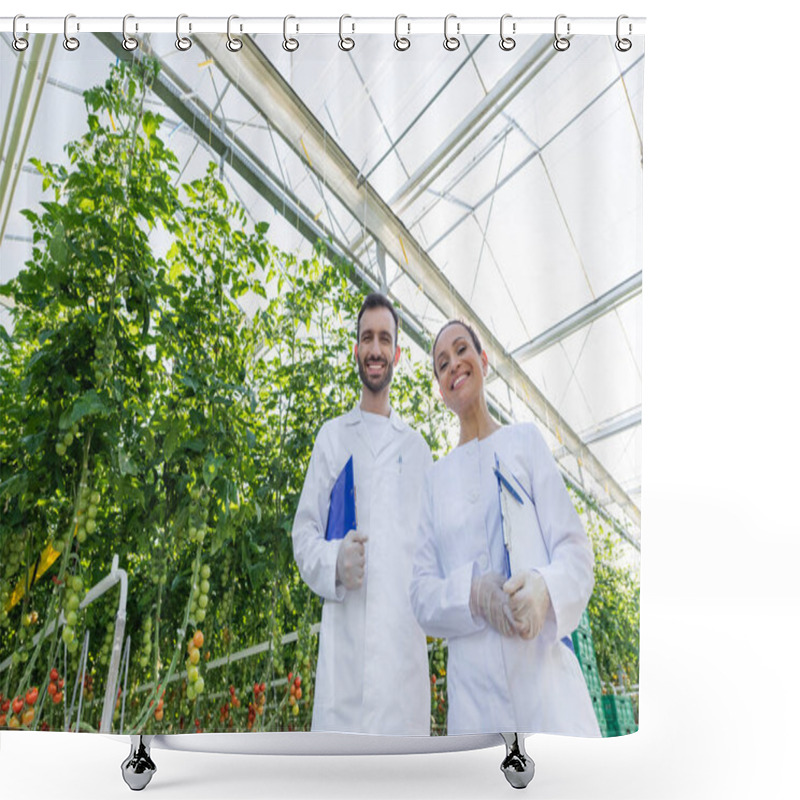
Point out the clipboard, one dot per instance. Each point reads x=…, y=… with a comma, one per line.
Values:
x=522, y=535
x=342, y=509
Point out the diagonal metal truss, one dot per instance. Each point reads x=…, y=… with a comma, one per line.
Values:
x=267, y=91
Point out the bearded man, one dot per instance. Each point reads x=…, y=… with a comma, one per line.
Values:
x=372, y=668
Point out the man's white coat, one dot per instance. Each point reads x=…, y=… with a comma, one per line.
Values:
x=372, y=669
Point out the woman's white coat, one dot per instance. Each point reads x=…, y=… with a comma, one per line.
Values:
x=495, y=683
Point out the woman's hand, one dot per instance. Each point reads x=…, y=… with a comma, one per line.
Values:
x=529, y=601
x=488, y=600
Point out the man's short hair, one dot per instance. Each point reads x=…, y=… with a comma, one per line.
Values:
x=377, y=300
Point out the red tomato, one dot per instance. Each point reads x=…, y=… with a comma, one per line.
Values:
x=198, y=639
x=54, y=674
x=27, y=716
x=51, y=688
x=6, y=704
x=57, y=697
x=297, y=681
x=32, y=696
x=17, y=705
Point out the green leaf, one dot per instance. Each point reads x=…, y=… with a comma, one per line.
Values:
x=87, y=405
x=126, y=464
x=149, y=123
x=58, y=246
x=170, y=443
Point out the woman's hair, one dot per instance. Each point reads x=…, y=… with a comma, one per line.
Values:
x=474, y=336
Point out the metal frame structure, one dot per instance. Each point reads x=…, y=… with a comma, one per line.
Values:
x=383, y=233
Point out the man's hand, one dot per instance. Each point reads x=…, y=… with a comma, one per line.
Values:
x=351, y=560
x=529, y=602
x=487, y=600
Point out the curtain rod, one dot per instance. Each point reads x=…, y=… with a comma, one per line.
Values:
x=349, y=25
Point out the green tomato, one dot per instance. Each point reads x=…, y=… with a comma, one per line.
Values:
x=73, y=602
x=61, y=448
x=95, y=498
x=92, y=511
x=204, y=586
x=205, y=571
x=67, y=634
x=68, y=437
x=192, y=674
x=91, y=525
x=202, y=601
x=200, y=615
x=72, y=618
x=199, y=685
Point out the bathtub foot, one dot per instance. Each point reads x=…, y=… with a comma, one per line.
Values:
x=138, y=768
x=517, y=766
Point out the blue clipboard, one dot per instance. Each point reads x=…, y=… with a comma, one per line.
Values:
x=342, y=509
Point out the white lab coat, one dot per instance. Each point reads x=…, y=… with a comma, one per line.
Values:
x=372, y=670
x=495, y=683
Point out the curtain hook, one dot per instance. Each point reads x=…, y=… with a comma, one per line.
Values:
x=289, y=44
x=233, y=44
x=451, y=42
x=70, y=42
x=559, y=42
x=19, y=44
x=623, y=45
x=183, y=43
x=507, y=42
x=128, y=42
x=401, y=42
x=346, y=42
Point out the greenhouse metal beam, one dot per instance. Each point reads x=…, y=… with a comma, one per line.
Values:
x=608, y=301
x=612, y=427
x=267, y=91
x=20, y=116
x=501, y=94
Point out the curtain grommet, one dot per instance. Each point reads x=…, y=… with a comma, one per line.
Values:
x=20, y=43
x=401, y=43
x=623, y=44
x=233, y=44
x=71, y=43
x=450, y=43
x=182, y=43
x=507, y=42
x=289, y=43
x=560, y=42
x=346, y=43
x=129, y=43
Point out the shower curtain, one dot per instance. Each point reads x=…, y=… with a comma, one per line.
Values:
x=189, y=227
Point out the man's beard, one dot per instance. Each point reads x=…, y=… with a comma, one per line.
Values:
x=375, y=386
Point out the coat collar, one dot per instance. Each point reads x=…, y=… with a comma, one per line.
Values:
x=355, y=417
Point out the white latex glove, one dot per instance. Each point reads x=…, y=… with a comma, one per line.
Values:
x=529, y=601
x=351, y=559
x=488, y=600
